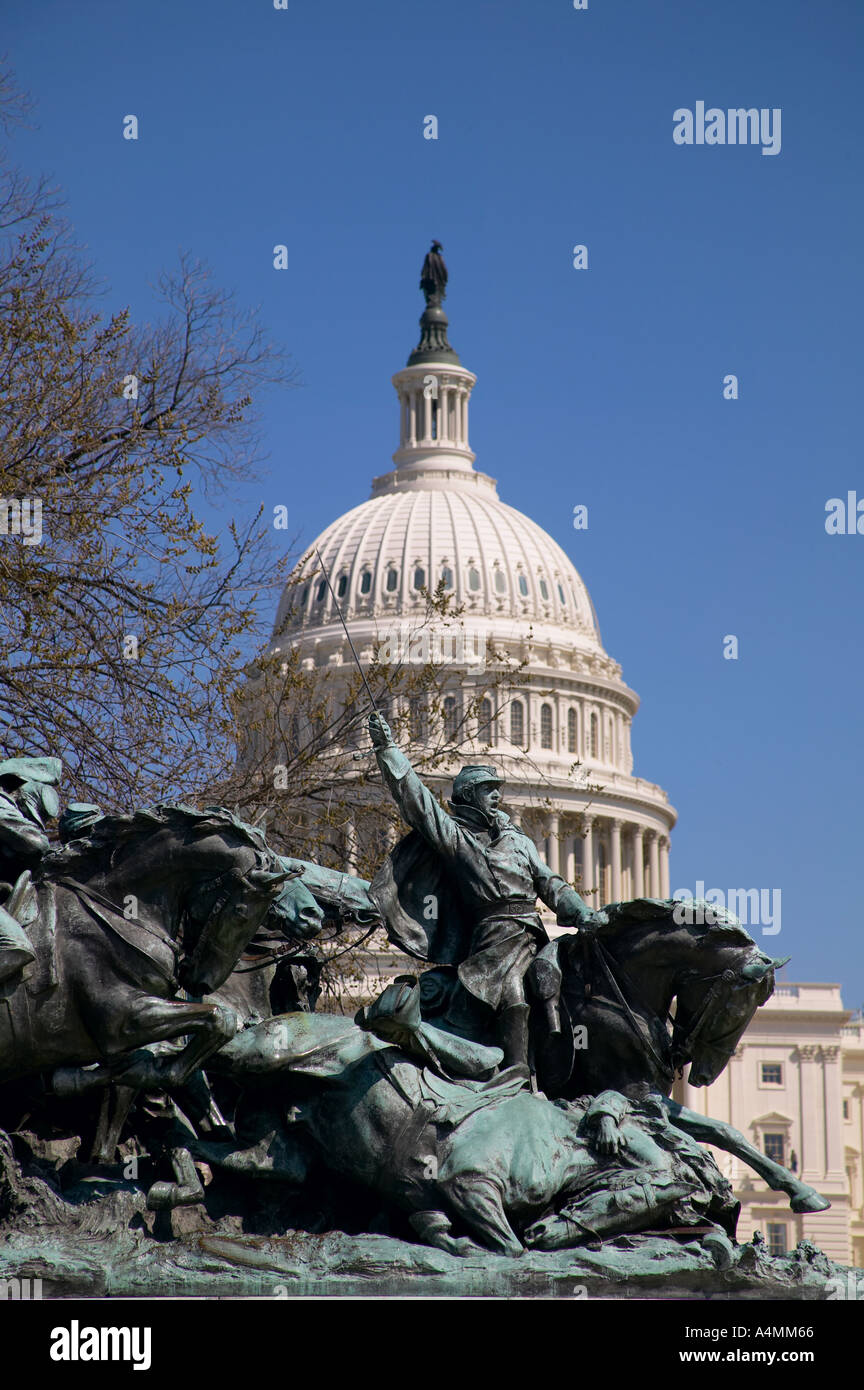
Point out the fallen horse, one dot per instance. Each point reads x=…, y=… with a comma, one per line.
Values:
x=474, y=1158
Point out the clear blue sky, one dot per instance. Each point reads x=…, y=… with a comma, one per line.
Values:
x=604, y=387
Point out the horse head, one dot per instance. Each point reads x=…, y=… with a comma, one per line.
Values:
x=296, y=912
x=221, y=921
x=716, y=999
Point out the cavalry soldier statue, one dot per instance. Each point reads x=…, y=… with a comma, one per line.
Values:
x=462, y=889
x=28, y=801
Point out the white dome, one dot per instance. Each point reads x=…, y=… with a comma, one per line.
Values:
x=498, y=563
x=560, y=728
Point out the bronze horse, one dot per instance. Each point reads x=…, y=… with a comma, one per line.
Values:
x=121, y=920
x=602, y=1013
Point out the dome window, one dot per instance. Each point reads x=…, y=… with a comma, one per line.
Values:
x=572, y=743
x=484, y=723
x=392, y=581
x=544, y=590
x=366, y=582
x=473, y=579
x=321, y=590
x=304, y=595
x=500, y=582
x=517, y=723
x=342, y=586
x=545, y=726
x=447, y=577
x=523, y=586
x=562, y=595
x=451, y=718
x=419, y=578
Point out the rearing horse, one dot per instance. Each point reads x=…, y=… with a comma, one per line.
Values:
x=146, y=904
x=602, y=1013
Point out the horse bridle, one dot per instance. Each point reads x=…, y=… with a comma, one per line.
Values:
x=682, y=1051
x=681, y=1048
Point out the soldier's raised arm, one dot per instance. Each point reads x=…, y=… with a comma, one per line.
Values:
x=570, y=909
x=417, y=804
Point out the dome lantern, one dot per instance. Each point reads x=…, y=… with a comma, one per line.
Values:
x=433, y=390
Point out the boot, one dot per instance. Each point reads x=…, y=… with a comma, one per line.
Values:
x=513, y=1036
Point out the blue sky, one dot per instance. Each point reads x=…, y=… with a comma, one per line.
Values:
x=604, y=386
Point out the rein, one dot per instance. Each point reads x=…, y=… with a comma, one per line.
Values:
x=665, y=1068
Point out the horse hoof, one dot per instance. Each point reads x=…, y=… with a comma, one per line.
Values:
x=810, y=1201
x=719, y=1247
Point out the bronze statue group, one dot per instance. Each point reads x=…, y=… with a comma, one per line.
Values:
x=513, y=1094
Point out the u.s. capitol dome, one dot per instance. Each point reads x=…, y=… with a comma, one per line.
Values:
x=561, y=727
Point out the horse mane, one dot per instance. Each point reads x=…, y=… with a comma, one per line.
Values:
x=721, y=926
x=93, y=850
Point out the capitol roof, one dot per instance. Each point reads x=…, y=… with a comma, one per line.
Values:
x=435, y=518
x=495, y=561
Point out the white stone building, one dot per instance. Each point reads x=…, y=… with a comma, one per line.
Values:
x=434, y=516
x=795, y=1086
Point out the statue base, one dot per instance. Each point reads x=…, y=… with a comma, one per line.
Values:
x=132, y=1263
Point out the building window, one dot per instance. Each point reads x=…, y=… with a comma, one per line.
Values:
x=594, y=740
x=321, y=590
x=572, y=744
x=366, y=582
x=451, y=718
x=447, y=577
x=775, y=1146
x=775, y=1232
x=523, y=586
x=772, y=1073
x=419, y=578
x=545, y=726
x=392, y=581
x=517, y=723
x=473, y=579
x=500, y=582
x=484, y=724
x=416, y=717
x=544, y=590
x=845, y=1110
x=342, y=586
x=562, y=595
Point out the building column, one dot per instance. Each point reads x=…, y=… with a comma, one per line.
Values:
x=570, y=859
x=588, y=874
x=554, y=858
x=812, y=1119
x=615, y=858
x=664, y=867
x=427, y=419
x=832, y=1084
x=412, y=417
x=653, y=864
x=638, y=863
x=465, y=420
x=443, y=423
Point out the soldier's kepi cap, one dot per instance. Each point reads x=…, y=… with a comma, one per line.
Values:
x=473, y=774
x=48, y=770
x=77, y=818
